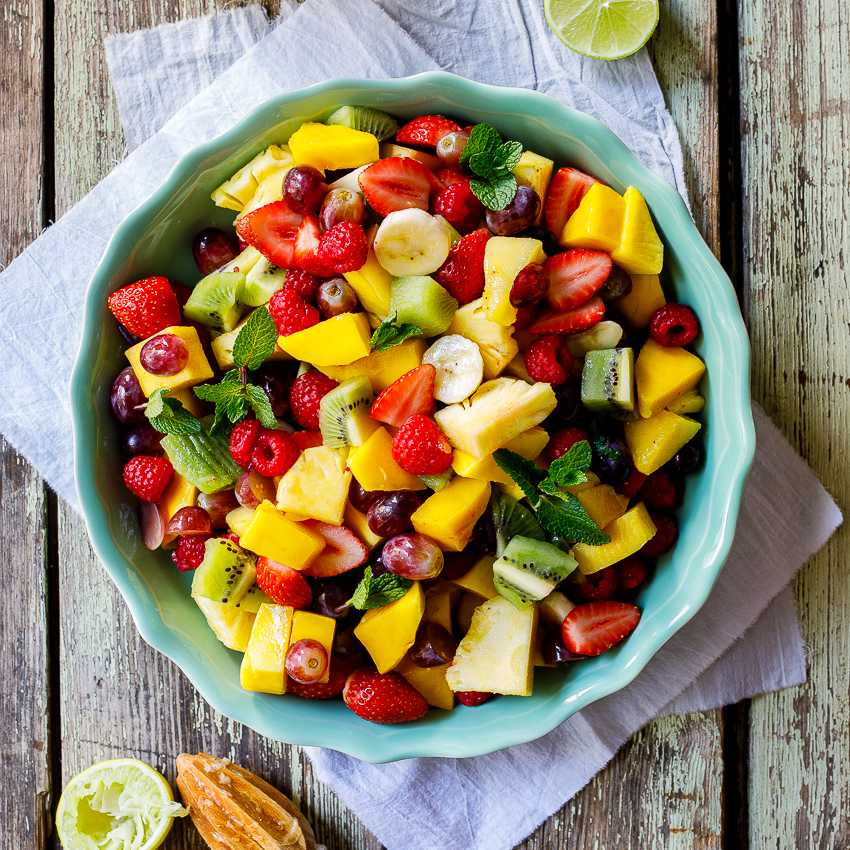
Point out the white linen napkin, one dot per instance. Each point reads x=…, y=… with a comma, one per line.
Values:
x=466, y=803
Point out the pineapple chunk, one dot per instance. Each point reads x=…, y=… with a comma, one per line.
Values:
x=598, y=221
x=234, y=193
x=269, y=191
x=382, y=368
x=197, y=367
x=504, y=257
x=263, y=663
x=603, y=504
x=628, y=534
x=529, y=444
x=496, y=653
x=332, y=146
x=494, y=340
x=496, y=412
x=222, y=348
x=316, y=485
x=231, y=625
x=663, y=374
x=306, y=624
x=388, y=632
x=430, y=682
x=449, y=516
x=371, y=282
x=374, y=467
x=239, y=519
x=334, y=342
x=656, y=440
x=640, y=250
x=272, y=535
x=645, y=298
x=535, y=171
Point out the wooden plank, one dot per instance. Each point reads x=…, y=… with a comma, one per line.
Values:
x=24, y=698
x=795, y=123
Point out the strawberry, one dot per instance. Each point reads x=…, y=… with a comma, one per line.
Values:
x=459, y=207
x=575, y=276
x=285, y=585
x=412, y=393
x=425, y=130
x=569, y=321
x=396, y=183
x=147, y=477
x=592, y=628
x=341, y=668
x=450, y=176
x=566, y=190
x=343, y=550
x=421, y=448
x=462, y=274
x=307, y=243
x=271, y=229
x=307, y=439
x=146, y=307
x=383, y=697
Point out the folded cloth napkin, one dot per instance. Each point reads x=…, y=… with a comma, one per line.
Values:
x=464, y=803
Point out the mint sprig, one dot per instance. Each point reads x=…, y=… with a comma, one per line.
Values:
x=256, y=341
x=492, y=162
x=168, y=415
x=378, y=591
x=389, y=333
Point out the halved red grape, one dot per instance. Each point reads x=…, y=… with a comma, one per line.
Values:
x=152, y=524
x=166, y=354
x=335, y=297
x=451, y=146
x=212, y=248
x=188, y=522
x=341, y=205
x=218, y=506
x=433, y=645
x=306, y=661
x=517, y=215
x=253, y=488
x=413, y=556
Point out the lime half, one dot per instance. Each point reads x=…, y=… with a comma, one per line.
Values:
x=122, y=804
x=603, y=29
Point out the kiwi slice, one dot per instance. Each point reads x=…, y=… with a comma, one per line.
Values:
x=421, y=301
x=253, y=598
x=438, y=482
x=226, y=573
x=344, y=418
x=203, y=460
x=262, y=282
x=607, y=380
x=216, y=301
x=510, y=519
x=530, y=570
x=365, y=119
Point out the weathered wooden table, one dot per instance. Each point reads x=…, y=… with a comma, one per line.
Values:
x=759, y=92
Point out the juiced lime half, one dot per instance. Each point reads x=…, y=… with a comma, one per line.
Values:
x=123, y=804
x=603, y=29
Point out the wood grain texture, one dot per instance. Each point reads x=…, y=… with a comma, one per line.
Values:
x=796, y=237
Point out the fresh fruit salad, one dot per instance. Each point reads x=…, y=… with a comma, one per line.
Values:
x=423, y=424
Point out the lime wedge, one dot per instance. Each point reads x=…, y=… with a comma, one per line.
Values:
x=603, y=29
x=123, y=804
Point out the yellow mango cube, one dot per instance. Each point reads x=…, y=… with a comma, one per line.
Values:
x=438, y=605
x=663, y=374
x=430, y=682
x=598, y=221
x=374, y=467
x=263, y=663
x=504, y=257
x=189, y=400
x=535, y=171
x=603, y=504
x=449, y=516
x=197, y=367
x=628, y=534
x=689, y=402
x=355, y=521
x=592, y=481
x=272, y=535
x=307, y=625
x=645, y=298
x=479, y=580
x=179, y=493
x=334, y=342
x=388, y=632
x=529, y=444
x=640, y=250
x=316, y=485
x=371, y=282
x=382, y=368
x=656, y=440
x=332, y=146
x=235, y=193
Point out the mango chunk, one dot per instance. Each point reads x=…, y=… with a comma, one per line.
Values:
x=316, y=485
x=439, y=601
x=373, y=466
x=371, y=282
x=430, y=682
x=449, y=516
x=656, y=440
x=272, y=535
x=645, y=298
x=334, y=342
x=598, y=221
x=263, y=663
x=388, y=632
x=178, y=494
x=640, y=250
x=535, y=171
x=663, y=374
x=234, y=193
x=628, y=534
x=355, y=521
x=382, y=368
x=197, y=367
x=332, y=146
x=529, y=444
x=190, y=401
x=603, y=504
x=479, y=580
x=306, y=624
x=504, y=256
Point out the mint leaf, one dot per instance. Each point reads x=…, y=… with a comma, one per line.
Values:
x=259, y=401
x=495, y=194
x=570, y=468
x=388, y=334
x=497, y=163
x=156, y=403
x=169, y=416
x=378, y=591
x=483, y=139
x=228, y=397
x=525, y=472
x=255, y=342
x=564, y=516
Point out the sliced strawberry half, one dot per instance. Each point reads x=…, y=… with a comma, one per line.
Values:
x=307, y=439
x=425, y=130
x=272, y=230
x=592, y=628
x=412, y=393
x=343, y=550
x=283, y=584
x=306, y=251
x=569, y=321
x=342, y=666
x=568, y=187
x=575, y=276
x=396, y=183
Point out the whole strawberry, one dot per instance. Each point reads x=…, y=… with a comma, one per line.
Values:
x=462, y=274
x=146, y=307
x=383, y=697
x=421, y=448
x=305, y=396
x=283, y=584
x=147, y=477
x=291, y=313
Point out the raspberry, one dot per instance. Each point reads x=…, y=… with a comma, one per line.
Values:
x=421, y=448
x=291, y=313
x=524, y=315
x=273, y=453
x=472, y=697
x=600, y=585
x=658, y=491
x=632, y=484
x=305, y=396
x=631, y=572
x=303, y=283
x=242, y=439
x=307, y=439
x=673, y=325
x=344, y=248
x=665, y=536
x=549, y=360
x=190, y=551
x=146, y=477
x=563, y=440
x=459, y=207
x=233, y=538
x=462, y=274
x=529, y=286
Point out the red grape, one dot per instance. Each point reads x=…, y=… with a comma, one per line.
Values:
x=253, y=488
x=413, y=556
x=189, y=521
x=218, y=506
x=151, y=524
x=212, y=248
x=335, y=297
x=362, y=499
x=143, y=440
x=303, y=189
x=341, y=205
x=166, y=354
x=276, y=382
x=451, y=146
x=433, y=645
x=391, y=514
x=306, y=661
x=517, y=215
x=126, y=396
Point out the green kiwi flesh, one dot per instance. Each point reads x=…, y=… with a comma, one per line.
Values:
x=262, y=282
x=203, y=460
x=438, y=482
x=365, y=119
x=226, y=573
x=529, y=570
x=512, y=519
x=421, y=301
x=607, y=380
x=216, y=301
x=344, y=418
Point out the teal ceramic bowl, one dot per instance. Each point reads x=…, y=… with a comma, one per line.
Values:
x=156, y=240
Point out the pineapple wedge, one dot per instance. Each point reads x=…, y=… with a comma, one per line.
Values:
x=496, y=412
x=535, y=171
x=234, y=193
x=496, y=653
x=231, y=625
x=495, y=341
x=316, y=485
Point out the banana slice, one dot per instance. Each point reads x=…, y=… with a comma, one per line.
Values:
x=410, y=242
x=459, y=366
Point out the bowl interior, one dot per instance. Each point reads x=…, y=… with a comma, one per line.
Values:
x=156, y=240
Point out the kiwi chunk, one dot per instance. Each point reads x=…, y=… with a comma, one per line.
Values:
x=262, y=282
x=216, y=301
x=365, y=119
x=530, y=570
x=421, y=301
x=203, y=460
x=344, y=418
x=253, y=598
x=226, y=573
x=438, y=482
x=510, y=519
x=608, y=380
